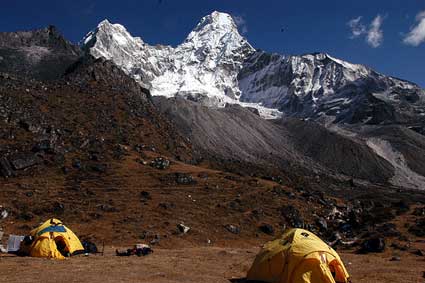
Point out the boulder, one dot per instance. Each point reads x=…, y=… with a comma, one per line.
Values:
x=183, y=228
x=184, y=179
x=99, y=168
x=160, y=163
x=373, y=245
x=292, y=216
x=23, y=160
x=145, y=195
x=418, y=229
x=419, y=211
x=322, y=224
x=5, y=168
x=3, y=213
x=266, y=229
x=233, y=229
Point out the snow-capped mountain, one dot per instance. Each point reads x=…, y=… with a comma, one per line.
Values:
x=319, y=86
x=204, y=67
x=215, y=65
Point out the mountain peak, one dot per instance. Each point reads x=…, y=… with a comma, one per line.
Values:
x=105, y=22
x=219, y=18
x=216, y=22
x=218, y=31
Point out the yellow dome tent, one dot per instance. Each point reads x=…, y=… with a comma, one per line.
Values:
x=298, y=256
x=52, y=240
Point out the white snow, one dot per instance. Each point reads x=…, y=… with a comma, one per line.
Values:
x=206, y=65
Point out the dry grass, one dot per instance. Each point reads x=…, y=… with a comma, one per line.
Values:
x=207, y=264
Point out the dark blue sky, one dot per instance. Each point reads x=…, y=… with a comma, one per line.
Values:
x=309, y=25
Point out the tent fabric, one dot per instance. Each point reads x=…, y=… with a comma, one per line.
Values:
x=298, y=256
x=52, y=229
x=48, y=236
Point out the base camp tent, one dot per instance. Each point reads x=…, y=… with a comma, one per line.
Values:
x=298, y=256
x=52, y=240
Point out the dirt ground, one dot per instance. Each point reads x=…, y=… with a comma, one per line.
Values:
x=203, y=264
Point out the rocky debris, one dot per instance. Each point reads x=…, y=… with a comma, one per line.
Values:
x=57, y=208
x=107, y=208
x=337, y=240
x=183, y=228
x=150, y=236
x=375, y=244
x=145, y=196
x=155, y=240
x=388, y=230
x=3, y=213
x=23, y=160
x=292, y=216
x=166, y=205
x=141, y=161
x=418, y=228
x=160, y=163
x=99, y=168
x=2, y=248
x=184, y=179
x=419, y=253
x=119, y=151
x=179, y=179
x=419, y=211
x=76, y=163
x=322, y=224
x=266, y=229
x=46, y=145
x=401, y=207
x=400, y=246
x=6, y=168
x=25, y=215
x=232, y=229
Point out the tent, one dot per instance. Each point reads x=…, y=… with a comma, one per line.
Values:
x=298, y=256
x=52, y=239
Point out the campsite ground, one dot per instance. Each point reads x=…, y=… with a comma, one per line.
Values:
x=201, y=264
x=135, y=203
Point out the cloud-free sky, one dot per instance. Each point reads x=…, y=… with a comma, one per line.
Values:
x=387, y=35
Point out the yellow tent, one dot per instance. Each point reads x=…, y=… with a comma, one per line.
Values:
x=298, y=256
x=52, y=240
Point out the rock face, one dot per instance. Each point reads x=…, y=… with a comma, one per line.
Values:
x=41, y=54
x=318, y=86
x=204, y=67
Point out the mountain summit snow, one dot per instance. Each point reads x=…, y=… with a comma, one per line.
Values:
x=204, y=67
x=318, y=86
x=215, y=65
